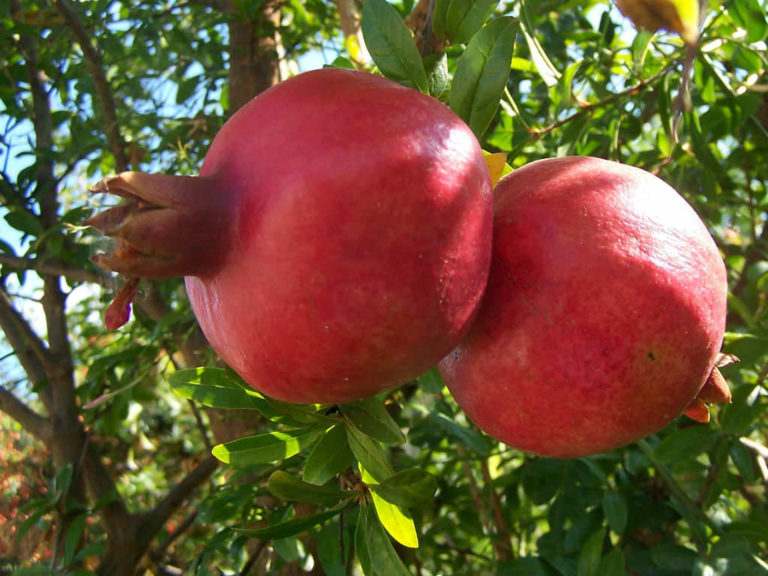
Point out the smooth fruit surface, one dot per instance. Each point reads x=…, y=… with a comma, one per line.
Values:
x=603, y=315
x=336, y=243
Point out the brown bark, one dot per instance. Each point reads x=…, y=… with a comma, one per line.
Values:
x=253, y=57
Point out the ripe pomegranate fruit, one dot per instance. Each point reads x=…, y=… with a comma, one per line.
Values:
x=603, y=315
x=335, y=244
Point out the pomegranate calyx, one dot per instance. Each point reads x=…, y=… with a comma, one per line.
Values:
x=714, y=391
x=168, y=226
x=698, y=411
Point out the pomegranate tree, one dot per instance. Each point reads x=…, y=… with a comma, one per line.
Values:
x=604, y=311
x=335, y=244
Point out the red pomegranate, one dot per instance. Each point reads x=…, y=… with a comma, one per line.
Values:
x=335, y=244
x=603, y=315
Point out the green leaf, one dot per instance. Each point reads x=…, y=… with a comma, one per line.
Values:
x=686, y=444
x=436, y=66
x=285, y=486
x=369, y=453
x=294, y=526
x=24, y=221
x=362, y=540
x=374, y=548
x=214, y=387
x=590, y=555
x=541, y=61
x=391, y=45
x=671, y=556
x=265, y=448
x=410, y=487
x=613, y=563
x=615, y=511
x=481, y=74
x=459, y=20
x=396, y=520
x=370, y=416
x=73, y=536
x=522, y=567
x=333, y=549
x=466, y=436
x=330, y=456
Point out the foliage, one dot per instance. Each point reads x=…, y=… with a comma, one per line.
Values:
x=401, y=483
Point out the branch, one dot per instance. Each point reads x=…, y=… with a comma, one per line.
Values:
x=31, y=421
x=587, y=108
x=28, y=347
x=95, y=64
x=55, y=268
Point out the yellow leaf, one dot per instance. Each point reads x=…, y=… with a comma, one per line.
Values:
x=680, y=16
x=395, y=520
x=496, y=163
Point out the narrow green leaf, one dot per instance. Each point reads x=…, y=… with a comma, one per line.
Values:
x=265, y=448
x=372, y=543
x=362, y=540
x=482, y=72
x=543, y=64
x=466, y=436
x=396, y=521
x=613, y=563
x=294, y=526
x=334, y=544
x=330, y=456
x=370, y=416
x=74, y=533
x=410, y=487
x=285, y=486
x=458, y=20
x=615, y=511
x=369, y=453
x=590, y=555
x=391, y=45
x=686, y=444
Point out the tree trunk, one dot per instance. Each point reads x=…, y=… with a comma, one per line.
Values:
x=253, y=55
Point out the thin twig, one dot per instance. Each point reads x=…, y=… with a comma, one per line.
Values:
x=588, y=108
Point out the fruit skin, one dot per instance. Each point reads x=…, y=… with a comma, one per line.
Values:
x=350, y=230
x=603, y=315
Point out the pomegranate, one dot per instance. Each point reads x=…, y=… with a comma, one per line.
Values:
x=335, y=244
x=603, y=315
